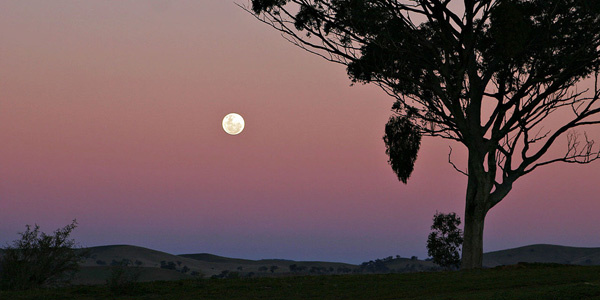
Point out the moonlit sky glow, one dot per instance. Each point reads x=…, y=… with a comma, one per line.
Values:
x=110, y=112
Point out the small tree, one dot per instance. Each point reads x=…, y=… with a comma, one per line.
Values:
x=293, y=268
x=39, y=259
x=124, y=277
x=445, y=241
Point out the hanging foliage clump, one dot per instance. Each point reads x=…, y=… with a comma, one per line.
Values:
x=402, y=142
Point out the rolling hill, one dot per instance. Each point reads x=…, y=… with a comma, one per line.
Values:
x=157, y=265
x=543, y=253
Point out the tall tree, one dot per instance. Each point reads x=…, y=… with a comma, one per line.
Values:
x=485, y=73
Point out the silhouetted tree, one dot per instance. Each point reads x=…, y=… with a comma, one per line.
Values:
x=293, y=268
x=39, y=259
x=196, y=273
x=185, y=269
x=301, y=268
x=444, y=242
x=484, y=73
x=123, y=278
x=273, y=268
x=376, y=266
x=168, y=265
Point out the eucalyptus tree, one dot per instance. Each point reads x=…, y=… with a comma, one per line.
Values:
x=489, y=74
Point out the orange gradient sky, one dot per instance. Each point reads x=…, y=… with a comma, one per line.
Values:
x=110, y=112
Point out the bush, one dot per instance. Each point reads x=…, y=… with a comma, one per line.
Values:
x=123, y=279
x=168, y=265
x=38, y=259
x=445, y=241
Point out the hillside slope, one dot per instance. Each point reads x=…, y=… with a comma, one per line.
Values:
x=157, y=265
x=543, y=253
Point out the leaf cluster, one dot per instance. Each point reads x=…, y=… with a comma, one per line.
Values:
x=551, y=41
x=402, y=141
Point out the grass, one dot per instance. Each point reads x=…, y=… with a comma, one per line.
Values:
x=525, y=281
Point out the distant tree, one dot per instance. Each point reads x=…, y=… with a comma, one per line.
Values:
x=376, y=266
x=196, y=274
x=293, y=268
x=487, y=74
x=39, y=259
x=301, y=268
x=273, y=268
x=185, y=269
x=123, y=278
x=444, y=242
x=168, y=265
x=223, y=274
x=344, y=270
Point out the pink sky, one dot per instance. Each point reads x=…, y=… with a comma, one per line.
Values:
x=110, y=112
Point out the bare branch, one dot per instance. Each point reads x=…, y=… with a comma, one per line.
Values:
x=453, y=165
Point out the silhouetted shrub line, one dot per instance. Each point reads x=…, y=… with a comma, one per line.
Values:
x=38, y=259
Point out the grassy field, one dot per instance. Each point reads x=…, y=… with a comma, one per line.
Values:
x=533, y=281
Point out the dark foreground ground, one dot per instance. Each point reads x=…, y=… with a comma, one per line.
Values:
x=525, y=281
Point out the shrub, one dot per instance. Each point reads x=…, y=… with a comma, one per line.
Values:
x=197, y=274
x=293, y=268
x=185, y=269
x=38, y=259
x=168, y=265
x=123, y=279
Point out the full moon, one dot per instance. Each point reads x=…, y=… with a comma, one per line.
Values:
x=233, y=123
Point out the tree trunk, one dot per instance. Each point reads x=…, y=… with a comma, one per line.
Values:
x=476, y=208
x=472, y=251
